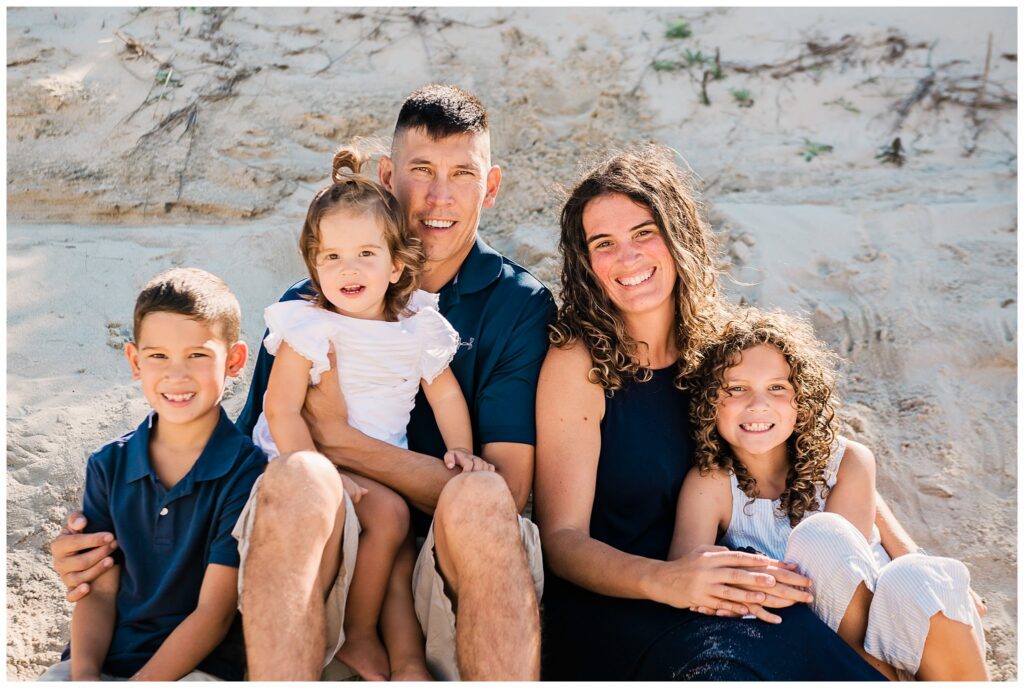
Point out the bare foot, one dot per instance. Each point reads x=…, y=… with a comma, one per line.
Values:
x=365, y=655
x=411, y=671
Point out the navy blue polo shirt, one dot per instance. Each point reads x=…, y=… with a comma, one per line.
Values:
x=501, y=313
x=166, y=538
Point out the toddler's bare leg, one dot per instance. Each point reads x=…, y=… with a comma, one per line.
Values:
x=398, y=623
x=384, y=517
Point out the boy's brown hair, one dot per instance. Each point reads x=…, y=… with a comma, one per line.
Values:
x=194, y=293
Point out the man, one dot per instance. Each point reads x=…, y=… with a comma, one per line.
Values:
x=478, y=576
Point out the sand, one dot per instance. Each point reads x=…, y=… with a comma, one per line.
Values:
x=139, y=140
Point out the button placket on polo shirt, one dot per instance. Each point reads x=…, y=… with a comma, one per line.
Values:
x=167, y=515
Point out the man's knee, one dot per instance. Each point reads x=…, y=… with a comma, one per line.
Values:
x=302, y=488
x=479, y=497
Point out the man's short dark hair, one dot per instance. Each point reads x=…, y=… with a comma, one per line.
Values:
x=194, y=293
x=442, y=110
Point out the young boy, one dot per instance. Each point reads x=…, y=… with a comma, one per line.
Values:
x=171, y=492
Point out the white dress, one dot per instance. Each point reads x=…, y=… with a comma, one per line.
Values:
x=380, y=363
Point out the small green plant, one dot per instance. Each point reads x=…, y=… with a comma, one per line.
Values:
x=167, y=77
x=811, y=150
x=843, y=103
x=742, y=96
x=665, y=65
x=680, y=28
x=716, y=70
x=693, y=58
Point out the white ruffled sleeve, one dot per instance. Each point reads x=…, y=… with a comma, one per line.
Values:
x=438, y=343
x=303, y=325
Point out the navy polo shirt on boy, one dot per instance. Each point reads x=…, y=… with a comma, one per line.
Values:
x=166, y=538
x=501, y=313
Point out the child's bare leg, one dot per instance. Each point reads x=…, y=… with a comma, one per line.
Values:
x=384, y=518
x=951, y=653
x=398, y=623
x=854, y=626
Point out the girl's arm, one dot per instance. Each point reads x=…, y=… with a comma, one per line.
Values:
x=700, y=511
x=569, y=412
x=853, y=495
x=450, y=411
x=92, y=626
x=286, y=392
x=199, y=632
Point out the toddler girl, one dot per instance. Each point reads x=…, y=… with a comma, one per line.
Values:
x=772, y=475
x=390, y=339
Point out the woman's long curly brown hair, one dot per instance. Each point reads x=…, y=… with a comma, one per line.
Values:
x=812, y=374
x=356, y=193
x=648, y=175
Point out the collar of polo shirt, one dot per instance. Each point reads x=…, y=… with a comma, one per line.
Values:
x=209, y=466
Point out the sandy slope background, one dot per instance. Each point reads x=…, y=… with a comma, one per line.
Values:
x=142, y=139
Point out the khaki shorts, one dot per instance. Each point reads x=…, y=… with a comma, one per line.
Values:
x=434, y=608
x=61, y=671
x=334, y=606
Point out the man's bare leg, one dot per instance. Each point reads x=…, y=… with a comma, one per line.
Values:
x=481, y=556
x=294, y=555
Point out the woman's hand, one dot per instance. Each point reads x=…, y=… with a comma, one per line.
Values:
x=714, y=579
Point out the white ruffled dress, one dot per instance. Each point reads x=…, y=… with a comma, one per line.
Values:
x=380, y=363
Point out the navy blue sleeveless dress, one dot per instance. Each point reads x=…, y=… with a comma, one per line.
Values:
x=646, y=450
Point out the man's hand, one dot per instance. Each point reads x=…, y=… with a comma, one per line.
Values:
x=464, y=459
x=79, y=558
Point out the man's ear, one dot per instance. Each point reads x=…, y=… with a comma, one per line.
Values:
x=493, y=182
x=385, y=170
x=237, y=355
x=131, y=352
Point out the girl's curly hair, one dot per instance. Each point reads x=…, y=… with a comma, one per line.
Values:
x=812, y=374
x=355, y=193
x=649, y=176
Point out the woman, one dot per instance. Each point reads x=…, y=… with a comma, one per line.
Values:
x=640, y=300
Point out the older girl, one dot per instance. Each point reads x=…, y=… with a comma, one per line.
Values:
x=771, y=474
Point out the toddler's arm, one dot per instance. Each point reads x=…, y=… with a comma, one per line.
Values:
x=451, y=413
x=200, y=632
x=286, y=392
x=92, y=626
x=853, y=496
x=700, y=511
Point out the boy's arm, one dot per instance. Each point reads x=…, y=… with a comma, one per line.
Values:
x=699, y=511
x=286, y=392
x=200, y=632
x=92, y=626
x=853, y=496
x=450, y=410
